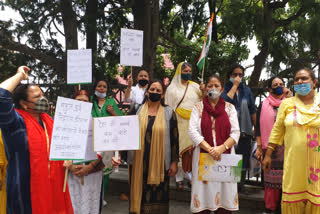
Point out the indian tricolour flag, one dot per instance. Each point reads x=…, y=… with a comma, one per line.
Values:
x=206, y=45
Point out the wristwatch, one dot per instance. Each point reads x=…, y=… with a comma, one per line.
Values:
x=225, y=145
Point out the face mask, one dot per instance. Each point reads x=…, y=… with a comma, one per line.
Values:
x=302, y=89
x=41, y=105
x=278, y=90
x=100, y=95
x=154, y=97
x=213, y=93
x=231, y=79
x=143, y=82
x=186, y=76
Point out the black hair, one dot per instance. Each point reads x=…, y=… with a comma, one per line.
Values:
x=271, y=79
x=147, y=89
x=234, y=66
x=185, y=65
x=311, y=73
x=216, y=77
x=94, y=96
x=21, y=93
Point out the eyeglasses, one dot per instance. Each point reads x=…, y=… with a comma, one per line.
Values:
x=237, y=74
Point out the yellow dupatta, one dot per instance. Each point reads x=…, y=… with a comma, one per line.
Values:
x=308, y=116
x=175, y=93
x=157, y=156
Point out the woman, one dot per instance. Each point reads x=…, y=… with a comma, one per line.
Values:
x=85, y=195
x=266, y=116
x=135, y=94
x=3, y=172
x=213, y=129
x=104, y=106
x=297, y=129
x=34, y=183
x=158, y=157
x=182, y=95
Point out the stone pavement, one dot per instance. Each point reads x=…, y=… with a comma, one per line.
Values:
x=251, y=202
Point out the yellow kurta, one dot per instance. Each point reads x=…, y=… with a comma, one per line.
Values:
x=297, y=128
x=3, y=170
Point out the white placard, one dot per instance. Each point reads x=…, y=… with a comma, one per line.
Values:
x=90, y=154
x=70, y=129
x=116, y=133
x=228, y=169
x=131, y=47
x=79, y=66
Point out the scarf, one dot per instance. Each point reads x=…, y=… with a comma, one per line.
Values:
x=46, y=177
x=237, y=97
x=222, y=123
x=267, y=118
x=156, y=161
x=96, y=111
x=305, y=116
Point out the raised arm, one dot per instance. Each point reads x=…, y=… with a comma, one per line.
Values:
x=11, y=83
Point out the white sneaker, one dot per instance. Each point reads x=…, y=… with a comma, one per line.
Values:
x=104, y=203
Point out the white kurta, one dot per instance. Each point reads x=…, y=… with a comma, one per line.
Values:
x=211, y=195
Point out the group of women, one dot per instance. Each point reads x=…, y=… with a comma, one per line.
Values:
x=181, y=122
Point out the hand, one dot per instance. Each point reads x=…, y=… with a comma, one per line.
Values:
x=24, y=70
x=173, y=169
x=237, y=81
x=266, y=163
x=259, y=153
x=111, y=110
x=287, y=93
x=115, y=162
x=130, y=81
x=82, y=170
x=216, y=152
x=67, y=164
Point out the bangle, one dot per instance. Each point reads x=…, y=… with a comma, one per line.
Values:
x=270, y=147
x=225, y=145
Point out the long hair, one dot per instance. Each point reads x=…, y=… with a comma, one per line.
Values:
x=94, y=97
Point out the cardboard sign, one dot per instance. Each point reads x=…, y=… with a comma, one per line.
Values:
x=228, y=169
x=79, y=66
x=116, y=133
x=70, y=129
x=131, y=47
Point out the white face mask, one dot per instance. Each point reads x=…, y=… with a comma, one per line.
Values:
x=100, y=95
x=214, y=93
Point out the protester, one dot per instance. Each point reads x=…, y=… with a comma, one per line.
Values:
x=85, y=196
x=182, y=94
x=241, y=97
x=104, y=106
x=266, y=116
x=3, y=172
x=34, y=183
x=135, y=94
x=213, y=129
x=159, y=154
x=297, y=129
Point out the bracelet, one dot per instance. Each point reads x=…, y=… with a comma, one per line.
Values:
x=225, y=145
x=270, y=147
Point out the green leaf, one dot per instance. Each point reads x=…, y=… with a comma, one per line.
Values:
x=309, y=181
x=319, y=149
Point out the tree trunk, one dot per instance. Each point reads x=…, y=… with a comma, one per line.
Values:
x=147, y=18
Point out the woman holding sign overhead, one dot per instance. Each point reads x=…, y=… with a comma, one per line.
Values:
x=159, y=154
x=104, y=106
x=34, y=183
x=213, y=129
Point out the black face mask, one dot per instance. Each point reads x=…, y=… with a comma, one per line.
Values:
x=154, y=97
x=143, y=82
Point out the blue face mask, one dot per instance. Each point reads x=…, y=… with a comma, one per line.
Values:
x=302, y=89
x=186, y=76
x=278, y=90
x=231, y=79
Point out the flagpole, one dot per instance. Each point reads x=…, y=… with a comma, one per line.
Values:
x=204, y=62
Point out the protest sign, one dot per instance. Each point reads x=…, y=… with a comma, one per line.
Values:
x=70, y=129
x=131, y=47
x=79, y=66
x=228, y=169
x=116, y=133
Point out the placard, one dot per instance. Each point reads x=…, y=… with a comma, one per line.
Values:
x=116, y=133
x=70, y=129
x=131, y=47
x=79, y=66
x=228, y=169
x=90, y=154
